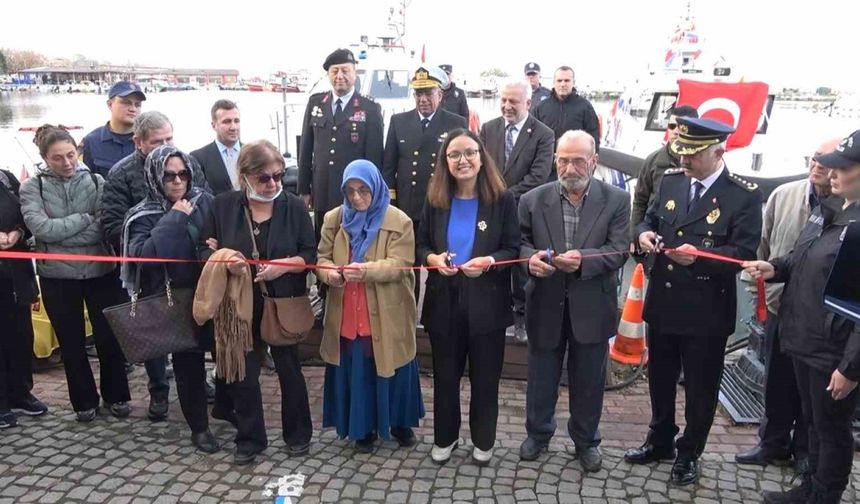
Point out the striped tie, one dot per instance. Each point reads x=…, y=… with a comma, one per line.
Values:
x=509, y=141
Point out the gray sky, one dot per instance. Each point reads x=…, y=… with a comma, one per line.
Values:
x=605, y=40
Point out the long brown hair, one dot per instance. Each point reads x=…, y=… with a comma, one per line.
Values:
x=254, y=157
x=490, y=184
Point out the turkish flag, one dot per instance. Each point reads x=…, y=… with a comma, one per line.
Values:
x=739, y=104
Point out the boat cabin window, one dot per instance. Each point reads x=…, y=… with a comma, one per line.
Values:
x=658, y=115
x=386, y=84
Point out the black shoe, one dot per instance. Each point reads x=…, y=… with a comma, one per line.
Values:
x=244, y=458
x=761, y=457
x=228, y=416
x=685, y=472
x=404, y=436
x=298, y=450
x=797, y=495
x=86, y=416
x=823, y=495
x=29, y=406
x=648, y=453
x=8, y=420
x=532, y=448
x=520, y=334
x=802, y=467
x=590, y=458
x=119, y=409
x=205, y=442
x=365, y=445
x=157, y=408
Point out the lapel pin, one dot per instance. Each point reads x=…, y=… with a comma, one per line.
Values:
x=713, y=216
x=482, y=225
x=670, y=205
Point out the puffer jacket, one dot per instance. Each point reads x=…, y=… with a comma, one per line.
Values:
x=62, y=215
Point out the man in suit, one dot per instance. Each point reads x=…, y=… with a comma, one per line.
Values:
x=218, y=159
x=522, y=148
x=691, y=301
x=413, y=142
x=453, y=98
x=571, y=301
x=339, y=127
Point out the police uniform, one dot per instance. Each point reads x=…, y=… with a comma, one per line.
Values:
x=329, y=143
x=453, y=98
x=541, y=93
x=102, y=148
x=691, y=310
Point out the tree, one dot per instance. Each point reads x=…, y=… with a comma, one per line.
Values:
x=17, y=61
x=3, y=69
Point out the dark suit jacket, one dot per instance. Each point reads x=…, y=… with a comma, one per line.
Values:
x=213, y=166
x=531, y=158
x=328, y=144
x=410, y=155
x=591, y=290
x=489, y=295
x=701, y=297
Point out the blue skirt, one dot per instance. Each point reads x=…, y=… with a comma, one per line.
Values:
x=357, y=402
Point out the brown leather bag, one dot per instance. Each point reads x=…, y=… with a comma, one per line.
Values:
x=286, y=320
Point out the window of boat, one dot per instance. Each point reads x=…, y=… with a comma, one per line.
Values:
x=658, y=114
x=389, y=84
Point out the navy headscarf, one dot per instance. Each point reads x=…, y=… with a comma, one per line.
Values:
x=363, y=227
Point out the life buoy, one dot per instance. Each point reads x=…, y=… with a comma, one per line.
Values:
x=474, y=122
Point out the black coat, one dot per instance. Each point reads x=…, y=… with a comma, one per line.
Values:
x=489, y=295
x=454, y=101
x=410, y=156
x=572, y=113
x=213, y=167
x=702, y=297
x=20, y=270
x=531, y=158
x=807, y=330
x=290, y=234
x=328, y=145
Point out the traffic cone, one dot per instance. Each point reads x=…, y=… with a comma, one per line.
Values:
x=628, y=346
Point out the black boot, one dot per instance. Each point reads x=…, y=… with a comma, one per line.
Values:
x=797, y=495
x=824, y=495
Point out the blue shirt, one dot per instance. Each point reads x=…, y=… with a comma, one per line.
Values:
x=461, y=229
x=103, y=148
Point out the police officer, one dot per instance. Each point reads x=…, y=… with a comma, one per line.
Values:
x=413, y=141
x=107, y=144
x=339, y=126
x=539, y=92
x=691, y=301
x=453, y=98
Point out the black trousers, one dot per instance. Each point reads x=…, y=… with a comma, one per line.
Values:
x=64, y=302
x=417, y=287
x=783, y=414
x=586, y=372
x=831, y=444
x=485, y=353
x=518, y=291
x=16, y=348
x=190, y=373
x=700, y=355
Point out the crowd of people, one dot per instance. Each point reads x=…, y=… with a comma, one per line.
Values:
x=512, y=227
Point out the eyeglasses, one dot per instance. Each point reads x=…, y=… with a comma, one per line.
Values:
x=171, y=177
x=470, y=154
x=579, y=162
x=361, y=191
x=265, y=178
x=671, y=126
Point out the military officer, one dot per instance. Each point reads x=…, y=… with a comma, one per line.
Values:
x=413, y=142
x=691, y=301
x=453, y=98
x=339, y=126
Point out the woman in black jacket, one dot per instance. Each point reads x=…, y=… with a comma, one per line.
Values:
x=282, y=229
x=167, y=224
x=468, y=224
x=17, y=291
x=825, y=347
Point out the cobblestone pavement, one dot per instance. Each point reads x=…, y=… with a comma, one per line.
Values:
x=54, y=459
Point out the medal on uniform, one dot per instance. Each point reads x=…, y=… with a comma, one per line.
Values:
x=358, y=116
x=482, y=225
x=316, y=112
x=713, y=216
x=708, y=243
x=670, y=205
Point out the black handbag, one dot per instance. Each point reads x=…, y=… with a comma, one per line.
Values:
x=156, y=325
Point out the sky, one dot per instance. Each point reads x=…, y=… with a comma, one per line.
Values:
x=786, y=44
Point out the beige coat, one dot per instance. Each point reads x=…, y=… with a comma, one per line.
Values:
x=390, y=295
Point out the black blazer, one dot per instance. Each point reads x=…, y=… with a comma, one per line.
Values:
x=213, y=167
x=590, y=292
x=489, y=295
x=410, y=156
x=21, y=271
x=531, y=158
x=290, y=234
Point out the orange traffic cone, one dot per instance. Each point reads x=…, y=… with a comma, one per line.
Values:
x=628, y=347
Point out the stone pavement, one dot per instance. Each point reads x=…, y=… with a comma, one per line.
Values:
x=55, y=459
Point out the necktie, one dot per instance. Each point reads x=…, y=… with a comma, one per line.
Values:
x=698, y=189
x=509, y=141
x=338, y=108
x=425, y=122
x=230, y=164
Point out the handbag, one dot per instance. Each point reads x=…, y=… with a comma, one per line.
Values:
x=286, y=320
x=155, y=325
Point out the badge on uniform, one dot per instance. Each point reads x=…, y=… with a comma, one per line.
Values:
x=713, y=216
x=354, y=137
x=442, y=137
x=358, y=116
x=708, y=243
x=316, y=111
x=482, y=225
x=670, y=205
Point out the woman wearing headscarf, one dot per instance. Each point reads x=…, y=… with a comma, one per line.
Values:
x=167, y=224
x=365, y=254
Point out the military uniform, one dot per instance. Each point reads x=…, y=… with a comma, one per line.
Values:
x=691, y=310
x=541, y=93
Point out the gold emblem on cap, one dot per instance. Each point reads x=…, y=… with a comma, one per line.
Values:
x=683, y=128
x=670, y=205
x=421, y=75
x=713, y=216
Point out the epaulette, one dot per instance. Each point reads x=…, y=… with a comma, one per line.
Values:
x=673, y=171
x=745, y=184
x=368, y=98
x=320, y=94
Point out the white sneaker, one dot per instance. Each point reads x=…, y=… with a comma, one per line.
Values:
x=441, y=454
x=481, y=457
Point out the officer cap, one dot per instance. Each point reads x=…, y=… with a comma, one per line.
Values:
x=448, y=68
x=531, y=67
x=697, y=134
x=429, y=77
x=339, y=57
x=846, y=155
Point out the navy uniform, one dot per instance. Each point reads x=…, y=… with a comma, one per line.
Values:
x=541, y=93
x=453, y=98
x=103, y=148
x=330, y=142
x=691, y=310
